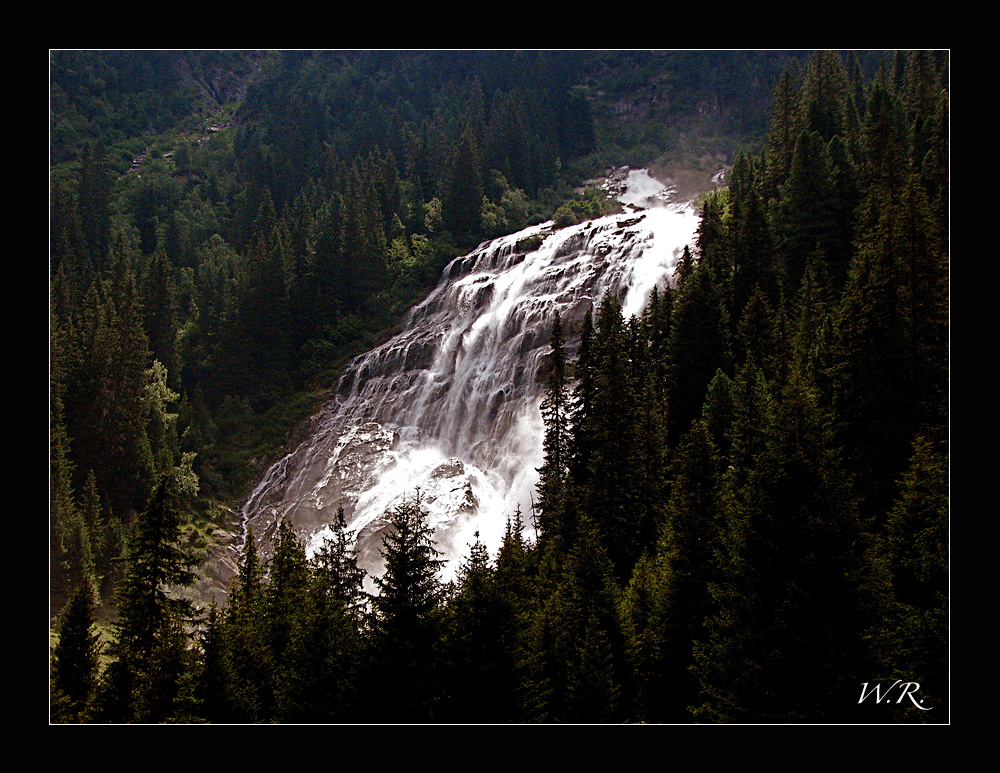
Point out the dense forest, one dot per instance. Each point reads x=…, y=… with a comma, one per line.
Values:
x=742, y=515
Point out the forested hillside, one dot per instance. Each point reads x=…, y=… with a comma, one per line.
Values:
x=744, y=490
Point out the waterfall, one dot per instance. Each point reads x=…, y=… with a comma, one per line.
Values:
x=449, y=407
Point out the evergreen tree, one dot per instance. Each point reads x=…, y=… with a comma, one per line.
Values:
x=75, y=659
x=254, y=354
x=713, y=240
x=719, y=413
x=786, y=125
x=689, y=542
x=684, y=267
x=812, y=332
x=285, y=598
x=162, y=314
x=934, y=169
x=94, y=187
x=364, y=238
x=826, y=95
x=212, y=678
x=658, y=317
x=583, y=404
x=513, y=583
x=890, y=352
x=699, y=346
x=794, y=603
x=846, y=195
x=464, y=194
x=141, y=683
x=336, y=565
x=923, y=296
x=478, y=674
x=326, y=281
x=615, y=475
x=72, y=550
x=642, y=625
x=405, y=626
x=105, y=405
x=321, y=662
x=753, y=407
x=751, y=242
x=918, y=557
x=808, y=226
x=575, y=664
x=246, y=666
x=71, y=269
x=882, y=167
x=761, y=337
x=553, y=480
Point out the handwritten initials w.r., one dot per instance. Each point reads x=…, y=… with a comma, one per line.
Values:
x=909, y=688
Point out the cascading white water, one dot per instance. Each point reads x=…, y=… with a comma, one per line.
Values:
x=450, y=406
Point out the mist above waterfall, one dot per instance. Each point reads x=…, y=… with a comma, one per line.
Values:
x=448, y=409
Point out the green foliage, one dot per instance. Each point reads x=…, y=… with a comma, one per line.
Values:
x=148, y=649
x=586, y=207
x=918, y=556
x=699, y=347
x=789, y=599
x=75, y=659
x=405, y=620
x=554, y=473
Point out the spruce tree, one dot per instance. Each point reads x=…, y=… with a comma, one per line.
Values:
x=761, y=338
x=320, y=665
x=826, y=94
x=285, y=598
x=94, y=187
x=364, y=239
x=812, y=330
x=147, y=651
x=807, y=216
x=105, y=406
x=72, y=549
x=478, y=674
x=934, y=169
x=699, y=347
x=212, y=678
x=882, y=166
x=614, y=490
x=786, y=125
x=254, y=355
x=464, y=193
x=553, y=482
x=514, y=586
x=889, y=360
x=75, y=659
x=643, y=626
x=917, y=542
x=162, y=315
x=794, y=603
x=246, y=665
x=688, y=547
x=405, y=625
x=336, y=566
x=845, y=197
x=575, y=662
x=583, y=404
x=750, y=240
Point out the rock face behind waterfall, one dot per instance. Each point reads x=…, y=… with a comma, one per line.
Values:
x=448, y=410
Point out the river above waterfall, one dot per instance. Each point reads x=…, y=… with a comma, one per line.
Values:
x=448, y=409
